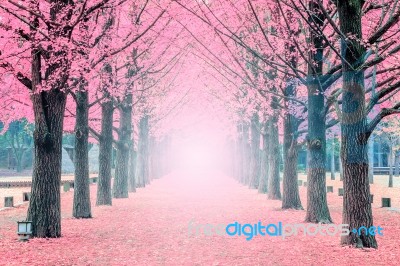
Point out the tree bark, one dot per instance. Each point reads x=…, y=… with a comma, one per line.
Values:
x=142, y=169
x=274, y=188
x=20, y=160
x=255, y=152
x=333, y=168
x=120, y=186
x=380, y=162
x=265, y=155
x=317, y=206
x=391, y=159
x=371, y=160
x=81, y=205
x=291, y=197
x=48, y=107
x=105, y=154
x=357, y=210
x=153, y=165
x=132, y=168
x=44, y=205
x=341, y=167
x=396, y=164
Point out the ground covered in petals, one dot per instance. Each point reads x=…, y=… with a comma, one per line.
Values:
x=152, y=227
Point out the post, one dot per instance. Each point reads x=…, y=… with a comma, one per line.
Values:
x=333, y=170
x=26, y=196
x=67, y=186
x=9, y=202
x=371, y=159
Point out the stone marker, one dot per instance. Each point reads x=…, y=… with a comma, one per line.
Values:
x=329, y=189
x=386, y=202
x=66, y=186
x=9, y=202
x=340, y=191
x=26, y=196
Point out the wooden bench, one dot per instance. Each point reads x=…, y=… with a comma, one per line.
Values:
x=382, y=170
x=10, y=184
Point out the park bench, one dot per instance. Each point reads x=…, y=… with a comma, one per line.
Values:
x=9, y=184
x=382, y=170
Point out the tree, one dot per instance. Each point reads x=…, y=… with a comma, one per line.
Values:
x=255, y=152
x=19, y=137
x=355, y=129
x=45, y=35
x=264, y=161
x=48, y=97
x=317, y=206
x=274, y=188
x=82, y=208
x=120, y=189
x=142, y=169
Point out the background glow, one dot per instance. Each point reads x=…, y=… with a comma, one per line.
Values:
x=199, y=153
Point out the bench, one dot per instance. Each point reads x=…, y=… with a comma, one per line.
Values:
x=382, y=170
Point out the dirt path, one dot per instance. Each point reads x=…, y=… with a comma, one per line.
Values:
x=152, y=227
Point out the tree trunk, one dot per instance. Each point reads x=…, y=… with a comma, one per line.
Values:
x=340, y=166
x=371, y=160
x=380, y=163
x=105, y=154
x=391, y=159
x=274, y=188
x=44, y=205
x=255, y=152
x=265, y=155
x=120, y=186
x=239, y=154
x=49, y=107
x=154, y=163
x=146, y=153
x=317, y=206
x=143, y=158
x=152, y=158
x=19, y=163
x=132, y=168
x=357, y=210
x=333, y=168
x=246, y=155
x=81, y=208
x=396, y=164
x=22, y=166
x=291, y=197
